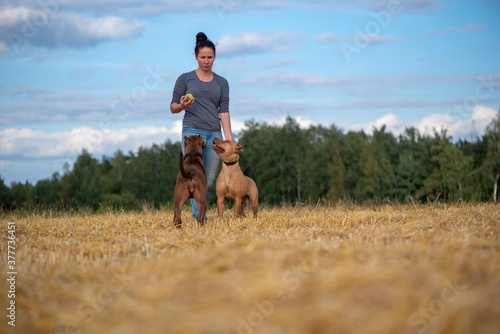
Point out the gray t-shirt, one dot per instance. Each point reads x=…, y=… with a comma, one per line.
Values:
x=210, y=99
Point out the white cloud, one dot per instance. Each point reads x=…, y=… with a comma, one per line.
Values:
x=390, y=120
x=3, y=47
x=469, y=28
x=158, y=7
x=64, y=146
x=303, y=122
x=431, y=32
x=258, y=42
x=393, y=124
x=360, y=37
x=299, y=79
x=22, y=27
x=107, y=27
x=38, y=144
x=45, y=106
x=132, y=69
x=10, y=15
x=329, y=37
x=376, y=39
x=457, y=128
x=221, y=8
x=295, y=79
x=280, y=62
x=481, y=117
x=409, y=6
x=429, y=123
x=237, y=125
x=5, y=163
x=232, y=65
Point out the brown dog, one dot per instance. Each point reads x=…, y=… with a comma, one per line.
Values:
x=232, y=184
x=191, y=180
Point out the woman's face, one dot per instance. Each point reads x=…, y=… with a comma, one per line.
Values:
x=205, y=58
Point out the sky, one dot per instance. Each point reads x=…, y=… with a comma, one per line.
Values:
x=99, y=75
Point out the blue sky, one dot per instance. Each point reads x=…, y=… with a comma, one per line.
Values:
x=99, y=75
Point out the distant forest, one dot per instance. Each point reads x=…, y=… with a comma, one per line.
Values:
x=290, y=165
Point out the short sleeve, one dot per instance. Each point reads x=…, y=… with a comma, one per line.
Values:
x=179, y=88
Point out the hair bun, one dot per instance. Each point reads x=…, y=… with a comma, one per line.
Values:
x=202, y=41
x=201, y=37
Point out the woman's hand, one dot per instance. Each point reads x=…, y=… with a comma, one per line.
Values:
x=225, y=121
x=184, y=104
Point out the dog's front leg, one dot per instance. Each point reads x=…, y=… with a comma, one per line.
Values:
x=220, y=205
x=238, y=207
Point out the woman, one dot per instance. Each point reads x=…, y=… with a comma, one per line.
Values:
x=207, y=110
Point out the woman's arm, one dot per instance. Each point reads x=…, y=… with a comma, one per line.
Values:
x=225, y=121
x=179, y=102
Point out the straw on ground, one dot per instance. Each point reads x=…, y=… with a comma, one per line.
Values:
x=387, y=269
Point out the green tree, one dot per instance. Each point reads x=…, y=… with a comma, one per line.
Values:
x=275, y=158
x=318, y=145
x=86, y=182
x=165, y=166
x=377, y=161
x=64, y=193
x=450, y=175
x=491, y=165
x=48, y=191
x=292, y=160
x=22, y=195
x=168, y=170
x=151, y=174
x=414, y=164
x=351, y=150
x=337, y=175
x=138, y=178
x=325, y=164
x=5, y=196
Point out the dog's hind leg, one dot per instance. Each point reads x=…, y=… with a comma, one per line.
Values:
x=254, y=201
x=202, y=210
x=200, y=197
x=179, y=203
x=177, y=215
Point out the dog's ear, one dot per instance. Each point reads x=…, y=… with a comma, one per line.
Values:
x=185, y=138
x=239, y=147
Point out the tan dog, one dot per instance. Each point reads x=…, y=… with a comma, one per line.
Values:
x=232, y=184
x=191, y=180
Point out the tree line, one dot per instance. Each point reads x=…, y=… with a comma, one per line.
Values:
x=289, y=165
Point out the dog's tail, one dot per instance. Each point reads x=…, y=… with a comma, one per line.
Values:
x=185, y=174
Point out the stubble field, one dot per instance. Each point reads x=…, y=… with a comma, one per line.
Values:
x=304, y=269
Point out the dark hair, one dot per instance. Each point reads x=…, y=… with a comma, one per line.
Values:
x=202, y=41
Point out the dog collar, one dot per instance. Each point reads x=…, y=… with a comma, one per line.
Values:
x=231, y=163
x=190, y=154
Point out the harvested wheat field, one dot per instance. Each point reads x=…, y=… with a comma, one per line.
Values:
x=387, y=269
